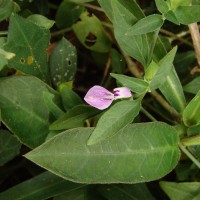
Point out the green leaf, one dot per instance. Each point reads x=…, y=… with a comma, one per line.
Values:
x=80, y=1
x=137, y=46
x=146, y=25
x=63, y=62
x=126, y=192
x=173, y=91
x=134, y=84
x=67, y=14
x=165, y=66
x=23, y=109
x=151, y=71
x=43, y=186
x=180, y=191
x=107, y=8
x=41, y=21
x=9, y=147
x=170, y=15
x=176, y=3
x=193, y=86
x=69, y=98
x=188, y=14
x=191, y=114
x=51, y=105
x=114, y=119
x=127, y=157
x=162, y=6
x=91, y=33
x=6, y=8
x=75, y=117
x=29, y=42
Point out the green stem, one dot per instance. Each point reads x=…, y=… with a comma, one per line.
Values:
x=189, y=155
x=3, y=33
x=153, y=119
x=61, y=32
x=191, y=141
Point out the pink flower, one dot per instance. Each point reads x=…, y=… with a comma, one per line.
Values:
x=101, y=98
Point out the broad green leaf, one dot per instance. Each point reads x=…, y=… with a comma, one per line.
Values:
x=9, y=147
x=193, y=86
x=67, y=14
x=188, y=14
x=29, y=42
x=173, y=91
x=126, y=192
x=74, y=118
x=91, y=33
x=134, y=84
x=51, y=105
x=137, y=46
x=127, y=157
x=114, y=119
x=162, y=6
x=180, y=191
x=146, y=25
x=69, y=98
x=165, y=66
x=43, y=186
x=176, y=3
x=6, y=8
x=23, y=109
x=107, y=8
x=191, y=114
x=41, y=21
x=63, y=62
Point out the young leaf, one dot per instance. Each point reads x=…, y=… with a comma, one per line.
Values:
x=63, y=62
x=146, y=25
x=180, y=190
x=162, y=6
x=191, y=114
x=176, y=3
x=188, y=14
x=173, y=91
x=41, y=21
x=91, y=33
x=114, y=119
x=127, y=157
x=29, y=43
x=74, y=118
x=6, y=8
x=193, y=86
x=9, y=147
x=165, y=66
x=134, y=84
x=23, y=109
x=43, y=186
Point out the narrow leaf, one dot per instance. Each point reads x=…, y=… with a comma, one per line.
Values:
x=146, y=25
x=193, y=86
x=43, y=186
x=134, y=84
x=191, y=114
x=162, y=6
x=127, y=157
x=111, y=121
x=74, y=118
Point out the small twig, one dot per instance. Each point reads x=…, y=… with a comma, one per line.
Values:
x=165, y=104
x=3, y=33
x=87, y=5
x=194, y=31
x=149, y=115
x=106, y=70
x=189, y=155
x=61, y=32
x=175, y=36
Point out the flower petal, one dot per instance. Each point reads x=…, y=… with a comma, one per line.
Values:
x=99, y=97
x=122, y=92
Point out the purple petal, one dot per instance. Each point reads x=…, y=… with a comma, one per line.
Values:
x=122, y=92
x=99, y=97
